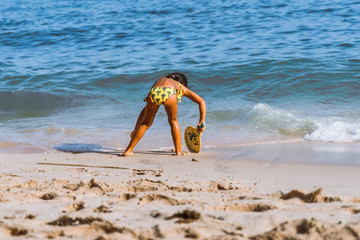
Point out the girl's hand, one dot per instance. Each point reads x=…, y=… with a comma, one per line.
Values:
x=201, y=127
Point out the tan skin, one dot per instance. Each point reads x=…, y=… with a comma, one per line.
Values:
x=147, y=115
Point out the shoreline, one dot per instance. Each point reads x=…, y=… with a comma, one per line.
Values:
x=153, y=194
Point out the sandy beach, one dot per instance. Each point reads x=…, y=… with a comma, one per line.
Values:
x=154, y=195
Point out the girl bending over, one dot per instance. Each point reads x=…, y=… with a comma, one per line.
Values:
x=167, y=91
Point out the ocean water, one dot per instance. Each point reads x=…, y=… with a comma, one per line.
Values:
x=73, y=73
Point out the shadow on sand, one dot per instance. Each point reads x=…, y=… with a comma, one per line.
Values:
x=77, y=148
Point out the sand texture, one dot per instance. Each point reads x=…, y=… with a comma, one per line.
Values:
x=153, y=195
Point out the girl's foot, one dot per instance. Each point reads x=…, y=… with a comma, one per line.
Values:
x=180, y=153
x=127, y=153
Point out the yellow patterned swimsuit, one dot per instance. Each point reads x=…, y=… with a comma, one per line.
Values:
x=159, y=95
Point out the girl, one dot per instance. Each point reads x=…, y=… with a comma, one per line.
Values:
x=166, y=91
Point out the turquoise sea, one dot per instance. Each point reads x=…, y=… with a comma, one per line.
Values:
x=73, y=74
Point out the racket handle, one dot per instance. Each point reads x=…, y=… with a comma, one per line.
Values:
x=202, y=125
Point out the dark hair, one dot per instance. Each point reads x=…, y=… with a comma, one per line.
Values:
x=179, y=77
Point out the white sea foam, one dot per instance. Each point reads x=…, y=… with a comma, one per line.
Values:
x=335, y=130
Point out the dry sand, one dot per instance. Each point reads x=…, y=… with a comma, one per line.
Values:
x=154, y=195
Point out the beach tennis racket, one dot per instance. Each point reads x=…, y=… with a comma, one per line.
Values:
x=193, y=139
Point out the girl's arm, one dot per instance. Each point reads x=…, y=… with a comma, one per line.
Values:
x=202, y=106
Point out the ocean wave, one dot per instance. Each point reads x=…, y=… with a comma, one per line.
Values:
x=330, y=129
x=263, y=116
x=335, y=130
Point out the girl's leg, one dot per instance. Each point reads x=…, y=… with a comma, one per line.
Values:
x=148, y=118
x=139, y=120
x=171, y=108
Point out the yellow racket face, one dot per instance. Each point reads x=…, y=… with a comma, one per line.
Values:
x=192, y=139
